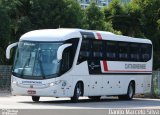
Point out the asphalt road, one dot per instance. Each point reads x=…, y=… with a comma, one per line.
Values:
x=24, y=102
x=63, y=106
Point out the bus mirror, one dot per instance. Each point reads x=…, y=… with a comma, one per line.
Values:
x=60, y=51
x=9, y=49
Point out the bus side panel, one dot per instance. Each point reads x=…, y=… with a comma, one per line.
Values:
x=114, y=85
x=147, y=83
x=80, y=73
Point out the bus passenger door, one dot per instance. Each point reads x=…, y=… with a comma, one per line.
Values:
x=67, y=63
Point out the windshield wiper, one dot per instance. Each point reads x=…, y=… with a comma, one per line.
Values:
x=41, y=67
x=22, y=72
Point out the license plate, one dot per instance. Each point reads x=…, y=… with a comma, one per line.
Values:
x=31, y=92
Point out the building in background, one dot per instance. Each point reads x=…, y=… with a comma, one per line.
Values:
x=100, y=3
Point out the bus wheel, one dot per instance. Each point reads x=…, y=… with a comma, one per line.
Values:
x=77, y=92
x=95, y=98
x=35, y=98
x=130, y=93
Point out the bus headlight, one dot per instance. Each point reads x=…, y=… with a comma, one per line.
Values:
x=55, y=83
x=51, y=84
x=14, y=82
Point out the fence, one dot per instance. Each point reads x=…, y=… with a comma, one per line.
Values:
x=5, y=77
x=155, y=89
x=5, y=80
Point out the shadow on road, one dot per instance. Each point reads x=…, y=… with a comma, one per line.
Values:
x=103, y=103
x=59, y=101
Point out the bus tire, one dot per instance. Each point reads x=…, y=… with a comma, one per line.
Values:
x=95, y=98
x=77, y=92
x=35, y=98
x=130, y=92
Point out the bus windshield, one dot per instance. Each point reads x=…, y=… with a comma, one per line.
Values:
x=36, y=60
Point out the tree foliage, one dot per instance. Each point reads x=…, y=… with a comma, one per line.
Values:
x=27, y=15
x=94, y=19
x=4, y=33
x=125, y=18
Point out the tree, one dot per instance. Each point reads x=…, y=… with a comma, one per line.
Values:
x=73, y=14
x=27, y=15
x=94, y=17
x=55, y=14
x=16, y=10
x=4, y=34
x=125, y=18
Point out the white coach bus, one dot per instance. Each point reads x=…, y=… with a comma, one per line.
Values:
x=75, y=62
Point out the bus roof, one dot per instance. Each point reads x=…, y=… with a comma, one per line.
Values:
x=51, y=35
x=63, y=34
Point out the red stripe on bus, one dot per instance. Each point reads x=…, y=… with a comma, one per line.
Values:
x=127, y=71
x=105, y=65
x=99, y=36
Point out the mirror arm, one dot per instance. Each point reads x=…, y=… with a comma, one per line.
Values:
x=60, y=51
x=9, y=49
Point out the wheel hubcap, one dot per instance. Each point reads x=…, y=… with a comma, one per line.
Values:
x=78, y=92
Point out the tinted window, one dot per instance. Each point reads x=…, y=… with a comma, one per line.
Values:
x=123, y=51
x=68, y=55
x=146, y=50
x=134, y=52
x=111, y=50
x=97, y=49
x=114, y=51
x=84, y=51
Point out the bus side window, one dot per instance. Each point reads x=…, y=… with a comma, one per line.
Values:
x=134, y=52
x=69, y=55
x=123, y=51
x=66, y=61
x=84, y=53
x=97, y=50
x=146, y=50
x=111, y=50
